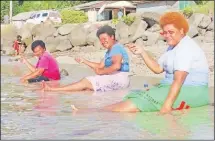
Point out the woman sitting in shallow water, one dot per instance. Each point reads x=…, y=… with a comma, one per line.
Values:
x=115, y=65
x=186, y=80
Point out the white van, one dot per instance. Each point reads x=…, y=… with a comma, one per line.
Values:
x=42, y=16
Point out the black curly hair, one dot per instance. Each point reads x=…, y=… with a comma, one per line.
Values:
x=106, y=29
x=38, y=43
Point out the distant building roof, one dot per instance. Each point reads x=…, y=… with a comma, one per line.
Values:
x=86, y=5
x=121, y=4
x=109, y=4
x=140, y=2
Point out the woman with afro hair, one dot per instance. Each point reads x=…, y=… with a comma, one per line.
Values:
x=186, y=73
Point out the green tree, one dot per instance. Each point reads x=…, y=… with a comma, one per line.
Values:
x=199, y=2
x=5, y=6
x=45, y=5
x=70, y=16
x=27, y=6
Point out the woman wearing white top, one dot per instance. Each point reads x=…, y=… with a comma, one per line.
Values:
x=186, y=81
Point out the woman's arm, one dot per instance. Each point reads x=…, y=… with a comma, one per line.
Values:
x=102, y=64
x=151, y=63
x=116, y=65
x=93, y=65
x=28, y=64
x=26, y=75
x=179, y=77
x=37, y=72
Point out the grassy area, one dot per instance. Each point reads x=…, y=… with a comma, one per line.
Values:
x=206, y=8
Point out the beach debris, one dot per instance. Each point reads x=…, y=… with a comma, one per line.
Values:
x=64, y=72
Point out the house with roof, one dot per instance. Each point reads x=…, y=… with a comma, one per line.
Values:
x=105, y=10
x=161, y=6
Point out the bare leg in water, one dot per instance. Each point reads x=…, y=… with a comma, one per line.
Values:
x=81, y=85
x=123, y=106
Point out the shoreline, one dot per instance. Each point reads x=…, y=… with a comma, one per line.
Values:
x=137, y=65
x=77, y=71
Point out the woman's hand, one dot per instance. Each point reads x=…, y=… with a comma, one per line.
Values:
x=165, y=110
x=135, y=49
x=179, y=77
x=23, y=80
x=79, y=59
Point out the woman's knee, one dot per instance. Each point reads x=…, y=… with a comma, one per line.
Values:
x=129, y=106
x=124, y=106
x=86, y=83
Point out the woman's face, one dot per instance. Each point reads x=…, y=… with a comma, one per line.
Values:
x=38, y=51
x=172, y=35
x=106, y=40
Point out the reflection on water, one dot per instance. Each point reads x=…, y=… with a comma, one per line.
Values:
x=30, y=114
x=181, y=125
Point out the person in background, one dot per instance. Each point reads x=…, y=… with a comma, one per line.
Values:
x=16, y=45
x=112, y=73
x=120, y=14
x=46, y=69
x=22, y=47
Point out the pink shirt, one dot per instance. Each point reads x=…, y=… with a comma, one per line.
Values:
x=50, y=65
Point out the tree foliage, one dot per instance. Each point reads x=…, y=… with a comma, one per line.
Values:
x=71, y=16
x=126, y=19
x=5, y=6
x=27, y=6
x=201, y=2
x=205, y=8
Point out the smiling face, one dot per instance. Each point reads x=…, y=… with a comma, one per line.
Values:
x=172, y=34
x=38, y=51
x=106, y=40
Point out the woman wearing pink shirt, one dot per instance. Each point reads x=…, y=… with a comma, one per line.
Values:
x=46, y=68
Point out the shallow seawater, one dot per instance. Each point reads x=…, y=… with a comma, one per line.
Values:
x=30, y=114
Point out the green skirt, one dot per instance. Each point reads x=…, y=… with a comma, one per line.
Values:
x=153, y=99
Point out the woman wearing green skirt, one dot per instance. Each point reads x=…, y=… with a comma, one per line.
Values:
x=186, y=73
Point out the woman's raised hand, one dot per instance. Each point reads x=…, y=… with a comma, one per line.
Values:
x=135, y=49
x=79, y=59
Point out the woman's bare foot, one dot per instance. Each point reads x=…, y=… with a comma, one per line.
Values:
x=74, y=110
x=84, y=110
x=45, y=87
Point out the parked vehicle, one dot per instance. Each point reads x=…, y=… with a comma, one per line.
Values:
x=42, y=16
